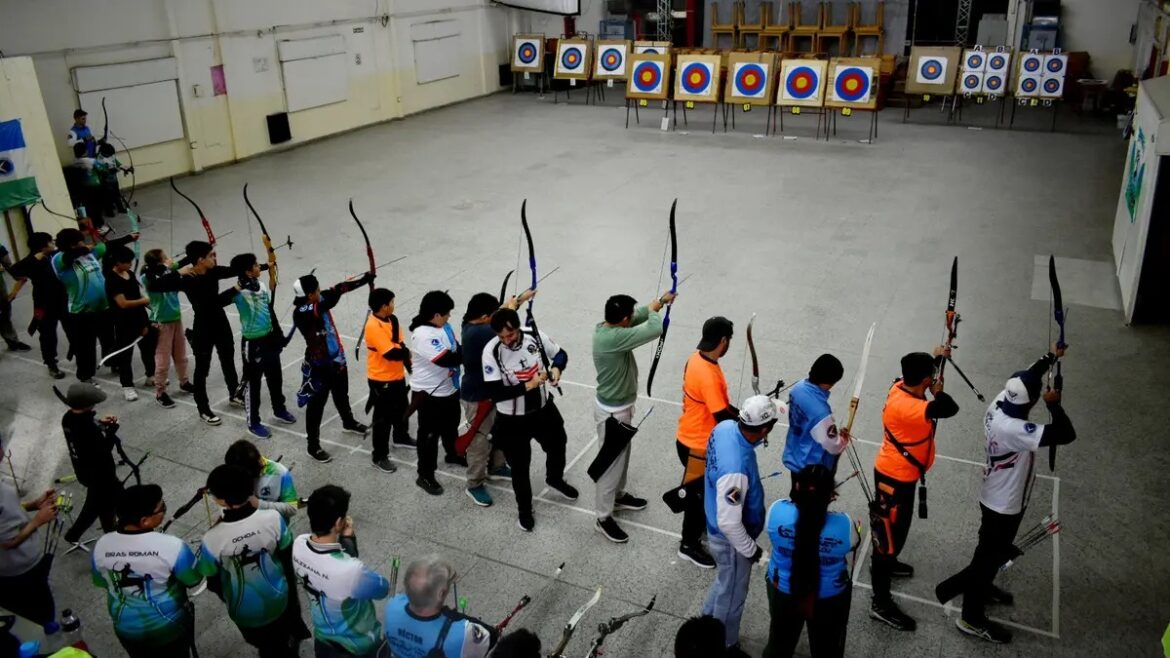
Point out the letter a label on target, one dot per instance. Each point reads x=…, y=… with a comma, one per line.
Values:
x=802, y=82
x=696, y=78
x=851, y=83
x=749, y=78
x=528, y=53
x=572, y=61
x=648, y=77
x=609, y=60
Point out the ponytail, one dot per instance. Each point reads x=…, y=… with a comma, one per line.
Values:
x=811, y=493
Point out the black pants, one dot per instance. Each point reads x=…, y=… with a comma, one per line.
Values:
x=898, y=498
x=826, y=627
x=438, y=421
x=694, y=514
x=125, y=361
x=272, y=641
x=262, y=361
x=205, y=337
x=323, y=649
x=333, y=379
x=47, y=333
x=514, y=434
x=85, y=331
x=997, y=532
x=28, y=594
x=388, y=402
x=180, y=646
x=101, y=499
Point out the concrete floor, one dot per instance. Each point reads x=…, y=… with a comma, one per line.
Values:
x=818, y=239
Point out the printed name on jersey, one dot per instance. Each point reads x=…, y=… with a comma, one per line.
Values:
x=734, y=496
x=132, y=554
x=303, y=565
x=245, y=536
x=407, y=635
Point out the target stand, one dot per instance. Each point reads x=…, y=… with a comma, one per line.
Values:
x=1041, y=104
x=649, y=80
x=923, y=99
x=528, y=63
x=1000, y=104
x=573, y=63
x=778, y=112
x=831, y=122
x=691, y=105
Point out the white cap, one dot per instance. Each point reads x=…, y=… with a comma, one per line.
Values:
x=758, y=410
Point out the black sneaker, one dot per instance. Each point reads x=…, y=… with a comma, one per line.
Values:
x=187, y=387
x=890, y=613
x=406, y=444
x=320, y=455
x=1000, y=596
x=430, y=485
x=236, y=401
x=901, y=570
x=526, y=521
x=612, y=530
x=456, y=460
x=164, y=401
x=985, y=630
x=630, y=502
x=209, y=417
x=56, y=373
x=356, y=428
x=385, y=465
x=696, y=555
x=564, y=488
x=17, y=346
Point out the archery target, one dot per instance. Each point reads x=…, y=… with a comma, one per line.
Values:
x=931, y=70
x=1032, y=63
x=802, y=82
x=974, y=61
x=1052, y=87
x=527, y=54
x=648, y=77
x=998, y=62
x=1028, y=85
x=651, y=47
x=611, y=60
x=971, y=82
x=697, y=78
x=572, y=59
x=852, y=84
x=993, y=83
x=1055, y=65
x=750, y=80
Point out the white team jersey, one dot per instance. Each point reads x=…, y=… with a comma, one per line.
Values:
x=335, y=576
x=1011, y=460
x=517, y=365
x=149, y=554
x=428, y=343
x=260, y=531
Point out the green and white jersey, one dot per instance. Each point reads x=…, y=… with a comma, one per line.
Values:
x=341, y=592
x=255, y=307
x=146, y=576
x=275, y=489
x=84, y=281
x=243, y=554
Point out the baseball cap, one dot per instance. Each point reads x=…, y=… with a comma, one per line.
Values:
x=758, y=410
x=714, y=330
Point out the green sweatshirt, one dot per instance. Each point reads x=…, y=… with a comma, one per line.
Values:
x=613, y=356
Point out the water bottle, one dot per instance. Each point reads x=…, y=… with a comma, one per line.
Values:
x=53, y=638
x=71, y=630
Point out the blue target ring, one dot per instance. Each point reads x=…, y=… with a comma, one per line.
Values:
x=572, y=58
x=651, y=51
x=611, y=59
x=997, y=62
x=1055, y=65
x=750, y=80
x=1028, y=85
x=527, y=53
x=931, y=69
x=975, y=61
x=802, y=82
x=993, y=82
x=1052, y=85
x=1032, y=64
x=647, y=76
x=852, y=84
x=696, y=78
x=970, y=82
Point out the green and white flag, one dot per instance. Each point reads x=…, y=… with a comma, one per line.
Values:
x=18, y=186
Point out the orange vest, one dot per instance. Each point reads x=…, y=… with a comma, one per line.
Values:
x=904, y=416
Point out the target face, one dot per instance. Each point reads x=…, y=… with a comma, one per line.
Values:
x=696, y=78
x=572, y=58
x=526, y=53
x=1053, y=86
x=932, y=70
x=997, y=62
x=1054, y=64
x=802, y=83
x=993, y=83
x=1032, y=63
x=971, y=83
x=750, y=80
x=975, y=61
x=612, y=60
x=852, y=84
x=647, y=77
x=1028, y=86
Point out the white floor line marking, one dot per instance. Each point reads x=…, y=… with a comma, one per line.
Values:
x=861, y=555
x=336, y=415
x=936, y=604
x=1056, y=562
x=572, y=462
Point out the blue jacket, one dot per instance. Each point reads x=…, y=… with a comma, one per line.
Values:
x=411, y=636
x=733, y=494
x=836, y=542
x=809, y=418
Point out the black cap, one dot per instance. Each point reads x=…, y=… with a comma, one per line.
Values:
x=79, y=113
x=714, y=330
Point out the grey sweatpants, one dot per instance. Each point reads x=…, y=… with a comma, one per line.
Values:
x=613, y=481
x=480, y=452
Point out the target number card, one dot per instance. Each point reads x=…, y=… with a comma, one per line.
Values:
x=572, y=62
x=649, y=77
x=933, y=70
x=802, y=83
x=750, y=78
x=609, y=61
x=528, y=53
x=696, y=78
x=852, y=82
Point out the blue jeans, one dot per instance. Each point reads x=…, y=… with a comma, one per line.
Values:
x=728, y=593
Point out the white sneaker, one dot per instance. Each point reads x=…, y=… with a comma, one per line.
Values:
x=129, y=393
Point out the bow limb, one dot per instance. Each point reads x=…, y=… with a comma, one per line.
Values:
x=856, y=399
x=106, y=134
x=673, y=289
x=531, y=320
x=1057, y=381
x=755, y=361
x=202, y=217
x=357, y=350
x=504, y=287
x=273, y=270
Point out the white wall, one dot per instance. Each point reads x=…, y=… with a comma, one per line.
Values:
x=1100, y=27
